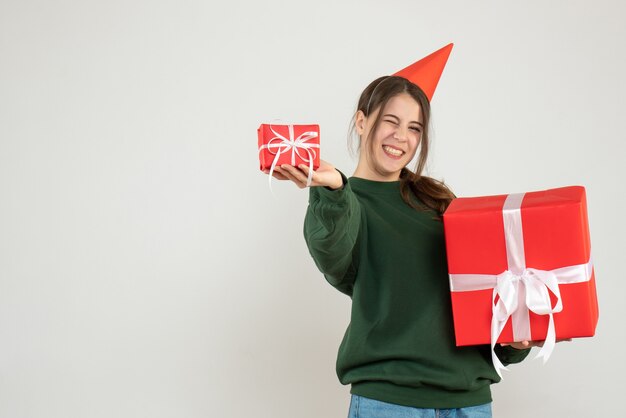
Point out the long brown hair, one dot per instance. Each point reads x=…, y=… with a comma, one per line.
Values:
x=431, y=194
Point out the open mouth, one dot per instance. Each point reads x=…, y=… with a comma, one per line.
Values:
x=393, y=152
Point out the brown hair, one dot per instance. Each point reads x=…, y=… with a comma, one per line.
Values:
x=431, y=194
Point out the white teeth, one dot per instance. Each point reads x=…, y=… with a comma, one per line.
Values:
x=393, y=151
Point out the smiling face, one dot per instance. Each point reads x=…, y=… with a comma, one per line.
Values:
x=394, y=140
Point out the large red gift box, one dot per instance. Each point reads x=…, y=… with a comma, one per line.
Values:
x=534, y=250
x=289, y=144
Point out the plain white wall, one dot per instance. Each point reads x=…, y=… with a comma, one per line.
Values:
x=147, y=270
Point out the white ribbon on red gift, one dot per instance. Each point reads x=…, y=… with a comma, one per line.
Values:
x=519, y=289
x=279, y=145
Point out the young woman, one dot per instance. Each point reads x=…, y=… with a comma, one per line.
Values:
x=378, y=237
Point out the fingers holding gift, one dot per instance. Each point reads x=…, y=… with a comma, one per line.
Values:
x=293, y=174
x=276, y=174
x=326, y=175
x=521, y=345
x=300, y=176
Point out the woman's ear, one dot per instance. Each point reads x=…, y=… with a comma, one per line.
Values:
x=359, y=122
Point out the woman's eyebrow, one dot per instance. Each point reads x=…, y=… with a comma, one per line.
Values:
x=393, y=116
x=398, y=119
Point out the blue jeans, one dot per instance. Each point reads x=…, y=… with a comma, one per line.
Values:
x=361, y=407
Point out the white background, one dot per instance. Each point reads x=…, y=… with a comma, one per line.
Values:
x=147, y=270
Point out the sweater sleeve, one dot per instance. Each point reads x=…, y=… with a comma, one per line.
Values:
x=331, y=229
x=509, y=355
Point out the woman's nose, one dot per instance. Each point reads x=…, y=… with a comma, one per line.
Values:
x=401, y=134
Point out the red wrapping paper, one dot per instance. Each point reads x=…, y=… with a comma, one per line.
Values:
x=278, y=145
x=555, y=235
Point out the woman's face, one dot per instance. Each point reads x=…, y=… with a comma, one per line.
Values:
x=395, y=142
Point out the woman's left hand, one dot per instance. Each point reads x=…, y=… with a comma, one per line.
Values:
x=522, y=345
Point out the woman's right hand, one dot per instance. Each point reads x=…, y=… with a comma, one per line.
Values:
x=326, y=175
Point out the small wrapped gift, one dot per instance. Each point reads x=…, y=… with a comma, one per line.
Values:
x=520, y=268
x=289, y=144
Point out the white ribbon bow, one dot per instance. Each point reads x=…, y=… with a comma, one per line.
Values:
x=279, y=145
x=535, y=285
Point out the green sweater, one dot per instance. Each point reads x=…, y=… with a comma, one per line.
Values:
x=390, y=259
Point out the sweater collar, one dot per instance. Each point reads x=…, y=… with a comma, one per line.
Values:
x=379, y=187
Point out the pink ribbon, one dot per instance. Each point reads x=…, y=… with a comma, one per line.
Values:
x=519, y=289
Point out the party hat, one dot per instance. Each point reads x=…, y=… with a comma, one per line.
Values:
x=427, y=71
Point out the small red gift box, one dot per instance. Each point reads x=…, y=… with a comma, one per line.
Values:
x=520, y=267
x=289, y=144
